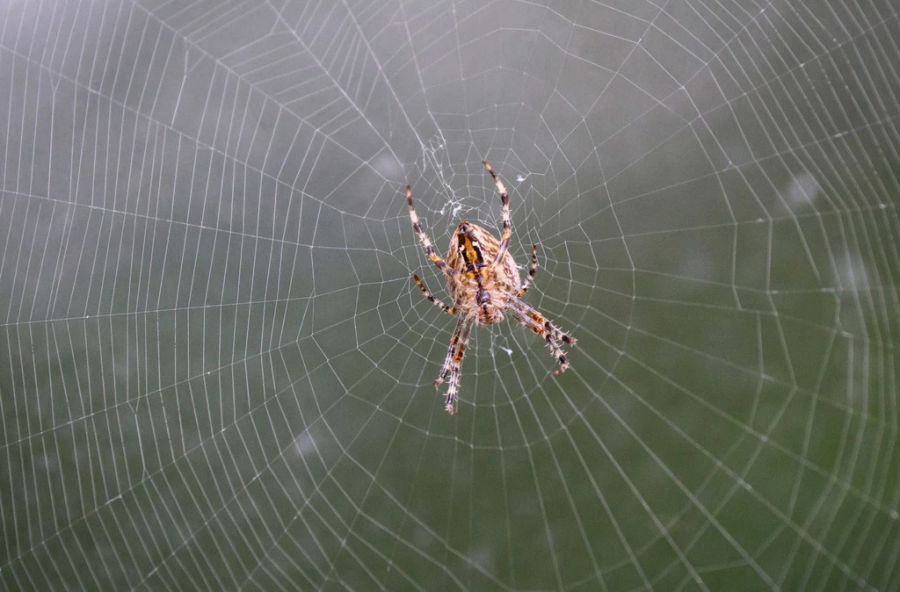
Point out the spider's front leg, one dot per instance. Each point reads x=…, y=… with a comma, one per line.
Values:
x=532, y=270
x=423, y=238
x=432, y=299
x=453, y=361
x=504, y=213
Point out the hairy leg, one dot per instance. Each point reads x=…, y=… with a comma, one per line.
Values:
x=431, y=298
x=532, y=270
x=453, y=362
x=423, y=238
x=506, y=232
x=541, y=326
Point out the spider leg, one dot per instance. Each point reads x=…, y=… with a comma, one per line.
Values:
x=532, y=270
x=453, y=361
x=504, y=213
x=542, y=327
x=423, y=238
x=530, y=317
x=557, y=353
x=430, y=297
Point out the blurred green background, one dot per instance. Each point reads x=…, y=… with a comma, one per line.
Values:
x=215, y=372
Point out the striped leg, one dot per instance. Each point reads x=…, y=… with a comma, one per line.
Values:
x=430, y=297
x=532, y=318
x=453, y=361
x=423, y=238
x=532, y=270
x=557, y=352
x=542, y=327
x=504, y=214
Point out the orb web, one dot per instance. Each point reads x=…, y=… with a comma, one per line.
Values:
x=216, y=371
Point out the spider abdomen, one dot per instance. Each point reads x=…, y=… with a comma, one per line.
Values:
x=479, y=287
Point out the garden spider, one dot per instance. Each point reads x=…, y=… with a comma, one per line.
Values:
x=484, y=283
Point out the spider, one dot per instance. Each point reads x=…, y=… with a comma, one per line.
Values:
x=484, y=283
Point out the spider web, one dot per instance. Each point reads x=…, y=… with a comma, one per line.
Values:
x=215, y=372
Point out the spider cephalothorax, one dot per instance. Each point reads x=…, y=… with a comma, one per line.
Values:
x=484, y=283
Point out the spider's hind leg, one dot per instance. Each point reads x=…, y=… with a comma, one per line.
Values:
x=453, y=362
x=541, y=326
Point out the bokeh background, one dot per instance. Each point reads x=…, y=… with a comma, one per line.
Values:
x=215, y=372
